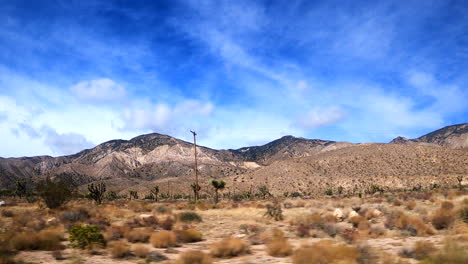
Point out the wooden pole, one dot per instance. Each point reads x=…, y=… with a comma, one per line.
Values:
x=196, y=166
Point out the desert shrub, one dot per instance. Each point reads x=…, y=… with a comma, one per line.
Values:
x=119, y=249
x=74, y=216
x=464, y=214
x=442, y=218
x=44, y=240
x=279, y=247
x=229, y=247
x=7, y=213
x=355, y=220
x=116, y=232
x=350, y=235
x=410, y=205
x=414, y=226
x=188, y=236
x=452, y=253
x=188, y=217
x=138, y=235
x=163, y=239
x=140, y=250
x=421, y=250
x=303, y=230
x=446, y=205
x=6, y=248
x=194, y=257
x=325, y=251
x=162, y=209
x=54, y=194
x=101, y=221
x=397, y=203
x=274, y=211
x=83, y=236
x=167, y=223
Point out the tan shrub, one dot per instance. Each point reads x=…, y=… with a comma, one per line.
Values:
x=44, y=240
x=119, y=249
x=326, y=251
x=442, y=218
x=138, y=235
x=116, y=232
x=397, y=202
x=447, y=205
x=140, y=250
x=229, y=247
x=188, y=235
x=163, y=239
x=452, y=253
x=410, y=205
x=355, y=220
x=279, y=247
x=423, y=249
x=194, y=257
x=167, y=223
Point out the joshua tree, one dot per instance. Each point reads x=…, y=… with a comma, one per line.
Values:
x=21, y=188
x=460, y=180
x=96, y=192
x=196, y=189
x=218, y=185
x=155, y=192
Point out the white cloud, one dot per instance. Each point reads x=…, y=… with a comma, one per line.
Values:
x=98, y=90
x=321, y=116
x=163, y=118
x=65, y=143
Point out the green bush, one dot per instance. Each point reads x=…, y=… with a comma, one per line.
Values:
x=189, y=217
x=83, y=236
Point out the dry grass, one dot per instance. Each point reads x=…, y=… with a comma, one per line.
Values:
x=442, y=218
x=452, y=253
x=140, y=250
x=141, y=234
x=229, y=247
x=410, y=205
x=48, y=239
x=163, y=239
x=194, y=257
x=279, y=247
x=116, y=232
x=326, y=252
x=188, y=235
x=119, y=249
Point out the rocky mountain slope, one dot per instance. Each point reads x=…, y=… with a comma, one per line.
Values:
x=455, y=136
x=356, y=168
x=154, y=156
x=287, y=164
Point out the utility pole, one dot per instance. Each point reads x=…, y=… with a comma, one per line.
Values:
x=196, y=187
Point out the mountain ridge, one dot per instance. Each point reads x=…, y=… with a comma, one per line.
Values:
x=155, y=157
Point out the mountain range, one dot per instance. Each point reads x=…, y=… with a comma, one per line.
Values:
x=286, y=164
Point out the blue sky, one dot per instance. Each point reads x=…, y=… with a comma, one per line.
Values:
x=74, y=74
